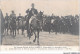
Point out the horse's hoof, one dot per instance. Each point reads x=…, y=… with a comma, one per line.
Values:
x=29, y=38
x=24, y=35
x=14, y=37
x=33, y=40
x=29, y=42
x=38, y=44
x=31, y=34
x=27, y=35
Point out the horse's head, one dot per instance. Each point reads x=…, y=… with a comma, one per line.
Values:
x=41, y=13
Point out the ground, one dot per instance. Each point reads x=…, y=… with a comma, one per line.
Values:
x=46, y=39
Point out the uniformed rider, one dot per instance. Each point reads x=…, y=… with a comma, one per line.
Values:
x=31, y=12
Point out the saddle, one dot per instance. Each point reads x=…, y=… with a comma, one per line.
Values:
x=31, y=19
x=5, y=22
x=34, y=22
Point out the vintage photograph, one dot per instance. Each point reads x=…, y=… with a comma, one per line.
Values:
x=39, y=22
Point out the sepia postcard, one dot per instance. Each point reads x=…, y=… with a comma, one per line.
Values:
x=39, y=25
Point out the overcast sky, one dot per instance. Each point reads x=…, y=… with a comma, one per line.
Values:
x=57, y=7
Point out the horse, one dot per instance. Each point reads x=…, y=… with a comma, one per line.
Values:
x=13, y=27
x=55, y=24
x=18, y=23
x=23, y=22
x=35, y=26
x=47, y=24
x=21, y=25
x=52, y=24
x=6, y=26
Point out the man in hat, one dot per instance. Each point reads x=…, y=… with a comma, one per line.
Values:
x=6, y=21
x=32, y=11
x=18, y=20
x=13, y=22
x=13, y=15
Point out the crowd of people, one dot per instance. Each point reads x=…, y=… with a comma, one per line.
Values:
x=64, y=24
x=59, y=24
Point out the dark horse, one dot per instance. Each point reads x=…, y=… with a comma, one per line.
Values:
x=13, y=27
x=6, y=26
x=35, y=25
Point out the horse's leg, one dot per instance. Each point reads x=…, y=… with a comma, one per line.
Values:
x=15, y=32
x=38, y=37
x=10, y=31
x=18, y=30
x=35, y=37
x=28, y=32
x=49, y=31
x=31, y=31
x=56, y=31
x=22, y=31
x=7, y=31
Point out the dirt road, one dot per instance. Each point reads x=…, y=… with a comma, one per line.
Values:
x=46, y=39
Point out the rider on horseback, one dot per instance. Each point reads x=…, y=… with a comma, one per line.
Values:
x=13, y=22
x=7, y=22
x=13, y=15
x=19, y=19
x=31, y=13
x=6, y=17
